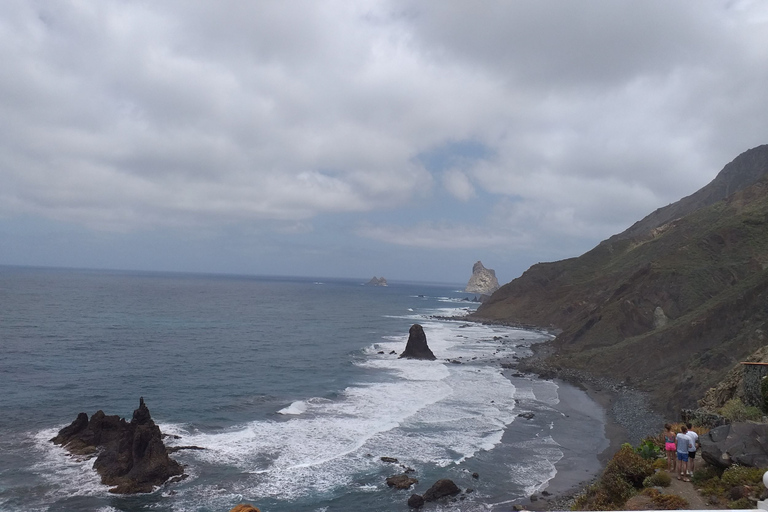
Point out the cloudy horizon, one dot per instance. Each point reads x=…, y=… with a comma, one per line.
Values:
x=350, y=139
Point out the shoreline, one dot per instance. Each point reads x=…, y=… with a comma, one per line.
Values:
x=624, y=413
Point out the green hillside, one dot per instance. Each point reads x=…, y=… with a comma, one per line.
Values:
x=670, y=306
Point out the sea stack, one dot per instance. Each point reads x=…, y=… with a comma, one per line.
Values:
x=417, y=347
x=483, y=280
x=377, y=281
x=131, y=456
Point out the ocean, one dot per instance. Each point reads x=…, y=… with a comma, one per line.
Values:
x=292, y=386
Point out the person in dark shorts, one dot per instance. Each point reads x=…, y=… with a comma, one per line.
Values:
x=692, y=449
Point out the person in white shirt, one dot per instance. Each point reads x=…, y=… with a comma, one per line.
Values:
x=683, y=444
x=692, y=449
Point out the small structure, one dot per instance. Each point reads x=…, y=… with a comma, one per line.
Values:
x=754, y=373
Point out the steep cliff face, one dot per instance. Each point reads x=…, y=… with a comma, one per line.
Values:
x=672, y=303
x=483, y=280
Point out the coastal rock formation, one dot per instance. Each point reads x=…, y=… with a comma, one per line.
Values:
x=401, y=481
x=416, y=501
x=131, y=456
x=483, y=280
x=377, y=281
x=417, y=347
x=441, y=489
x=745, y=444
x=701, y=261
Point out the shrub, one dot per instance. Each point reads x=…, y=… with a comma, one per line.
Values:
x=742, y=475
x=660, y=479
x=670, y=502
x=631, y=466
x=704, y=474
x=735, y=410
x=648, y=449
x=741, y=503
x=660, y=463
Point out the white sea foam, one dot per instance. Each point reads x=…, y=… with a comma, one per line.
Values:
x=296, y=408
x=68, y=475
x=421, y=412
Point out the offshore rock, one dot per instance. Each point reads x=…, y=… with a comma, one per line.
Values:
x=377, y=281
x=416, y=501
x=441, y=489
x=417, y=347
x=745, y=444
x=401, y=481
x=483, y=280
x=131, y=456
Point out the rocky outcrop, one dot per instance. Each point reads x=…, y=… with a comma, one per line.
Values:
x=441, y=489
x=417, y=347
x=401, y=481
x=377, y=281
x=745, y=444
x=483, y=280
x=131, y=456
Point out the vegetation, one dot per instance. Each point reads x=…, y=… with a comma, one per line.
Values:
x=737, y=487
x=658, y=479
x=735, y=410
x=649, y=450
x=623, y=475
x=764, y=393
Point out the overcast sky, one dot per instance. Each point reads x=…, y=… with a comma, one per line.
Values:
x=349, y=139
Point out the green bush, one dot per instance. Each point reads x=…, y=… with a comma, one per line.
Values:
x=670, y=502
x=742, y=475
x=660, y=479
x=741, y=503
x=648, y=450
x=735, y=410
x=631, y=466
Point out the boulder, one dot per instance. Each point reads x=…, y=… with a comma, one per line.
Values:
x=745, y=444
x=401, y=481
x=416, y=501
x=441, y=489
x=417, y=347
x=131, y=456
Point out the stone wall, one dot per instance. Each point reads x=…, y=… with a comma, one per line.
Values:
x=753, y=376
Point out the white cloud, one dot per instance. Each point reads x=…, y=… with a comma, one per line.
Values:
x=458, y=184
x=129, y=116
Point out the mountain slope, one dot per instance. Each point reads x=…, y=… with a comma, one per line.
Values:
x=670, y=304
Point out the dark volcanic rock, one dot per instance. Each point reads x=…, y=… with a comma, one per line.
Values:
x=441, y=489
x=401, y=481
x=416, y=501
x=417, y=347
x=132, y=456
x=745, y=444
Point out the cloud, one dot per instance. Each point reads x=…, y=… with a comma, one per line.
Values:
x=543, y=121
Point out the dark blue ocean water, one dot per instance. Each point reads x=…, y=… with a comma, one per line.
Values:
x=288, y=383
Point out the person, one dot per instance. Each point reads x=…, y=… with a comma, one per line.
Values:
x=670, y=446
x=692, y=449
x=683, y=444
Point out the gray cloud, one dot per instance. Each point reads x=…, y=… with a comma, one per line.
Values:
x=499, y=125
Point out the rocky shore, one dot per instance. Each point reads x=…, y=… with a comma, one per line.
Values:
x=629, y=418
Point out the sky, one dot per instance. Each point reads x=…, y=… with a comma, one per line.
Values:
x=403, y=139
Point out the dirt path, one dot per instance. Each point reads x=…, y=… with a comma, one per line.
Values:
x=688, y=491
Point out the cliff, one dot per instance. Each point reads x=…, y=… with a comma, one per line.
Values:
x=670, y=304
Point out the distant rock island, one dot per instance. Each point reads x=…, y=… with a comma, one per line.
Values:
x=483, y=280
x=377, y=281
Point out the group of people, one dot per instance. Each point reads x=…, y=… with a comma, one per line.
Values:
x=684, y=444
